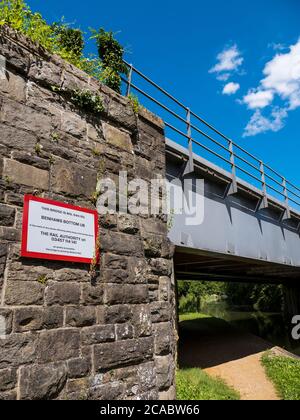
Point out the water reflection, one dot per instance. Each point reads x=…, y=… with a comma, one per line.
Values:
x=269, y=326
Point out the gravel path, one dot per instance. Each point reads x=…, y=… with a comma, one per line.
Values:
x=225, y=352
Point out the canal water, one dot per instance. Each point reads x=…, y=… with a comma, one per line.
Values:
x=269, y=326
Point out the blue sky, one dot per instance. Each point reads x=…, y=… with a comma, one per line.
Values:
x=187, y=47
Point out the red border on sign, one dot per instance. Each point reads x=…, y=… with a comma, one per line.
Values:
x=54, y=257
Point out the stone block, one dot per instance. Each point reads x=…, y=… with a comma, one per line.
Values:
x=110, y=355
x=78, y=368
x=17, y=139
x=98, y=334
x=165, y=369
x=122, y=294
x=72, y=179
x=23, y=117
x=124, y=332
x=20, y=293
x=92, y=295
x=164, y=289
x=164, y=338
x=121, y=244
x=107, y=392
x=62, y=293
x=7, y=314
x=42, y=382
x=117, y=138
x=62, y=344
x=141, y=320
x=13, y=86
x=74, y=125
x=8, y=379
x=81, y=316
x=45, y=72
x=128, y=224
x=116, y=314
x=16, y=350
x=161, y=312
x=33, y=319
x=19, y=173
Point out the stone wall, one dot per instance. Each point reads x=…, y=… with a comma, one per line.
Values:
x=70, y=335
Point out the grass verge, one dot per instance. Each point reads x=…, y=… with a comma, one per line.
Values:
x=284, y=372
x=196, y=385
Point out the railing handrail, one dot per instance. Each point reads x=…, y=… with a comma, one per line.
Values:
x=264, y=169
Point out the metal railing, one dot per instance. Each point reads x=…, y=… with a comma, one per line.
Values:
x=188, y=124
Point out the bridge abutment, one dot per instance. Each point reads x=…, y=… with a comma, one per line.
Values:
x=74, y=331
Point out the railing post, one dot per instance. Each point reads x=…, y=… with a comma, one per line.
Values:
x=287, y=213
x=264, y=201
x=129, y=80
x=190, y=164
x=233, y=187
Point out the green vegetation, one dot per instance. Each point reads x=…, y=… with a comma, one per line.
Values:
x=134, y=102
x=111, y=55
x=284, y=372
x=260, y=297
x=194, y=384
x=82, y=99
x=67, y=42
x=191, y=293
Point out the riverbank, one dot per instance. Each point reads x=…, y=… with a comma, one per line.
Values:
x=225, y=352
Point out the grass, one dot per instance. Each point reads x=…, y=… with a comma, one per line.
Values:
x=196, y=385
x=192, y=317
x=284, y=372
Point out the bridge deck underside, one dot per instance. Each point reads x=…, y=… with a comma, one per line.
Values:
x=202, y=266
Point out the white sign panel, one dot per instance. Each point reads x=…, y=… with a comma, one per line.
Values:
x=58, y=231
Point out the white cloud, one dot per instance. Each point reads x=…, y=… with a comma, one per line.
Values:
x=229, y=60
x=260, y=124
x=282, y=80
x=258, y=98
x=231, y=88
x=283, y=76
x=223, y=77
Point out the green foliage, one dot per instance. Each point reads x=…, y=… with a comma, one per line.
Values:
x=191, y=293
x=134, y=102
x=284, y=372
x=18, y=15
x=262, y=297
x=67, y=42
x=196, y=385
x=87, y=101
x=70, y=39
x=111, y=55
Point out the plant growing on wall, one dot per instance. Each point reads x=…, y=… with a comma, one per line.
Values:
x=111, y=55
x=67, y=42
